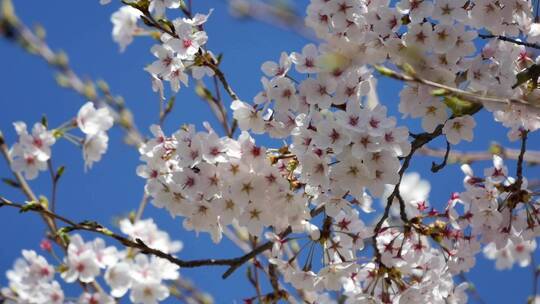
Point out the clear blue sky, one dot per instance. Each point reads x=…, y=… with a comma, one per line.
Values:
x=111, y=188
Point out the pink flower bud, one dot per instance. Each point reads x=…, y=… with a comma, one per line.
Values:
x=45, y=245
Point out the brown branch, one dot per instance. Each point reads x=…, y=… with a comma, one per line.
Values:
x=511, y=40
x=23, y=184
x=206, y=61
x=519, y=169
x=142, y=205
x=266, y=246
x=97, y=228
x=221, y=108
x=47, y=217
x=223, y=79
x=472, y=97
x=55, y=178
x=273, y=275
x=418, y=142
x=215, y=103
x=456, y=156
x=438, y=167
x=184, y=287
x=274, y=15
x=233, y=263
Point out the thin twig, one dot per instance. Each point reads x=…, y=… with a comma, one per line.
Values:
x=266, y=246
x=151, y=21
x=273, y=15
x=418, y=142
x=466, y=95
x=511, y=40
x=138, y=244
x=54, y=181
x=438, y=167
x=142, y=206
x=221, y=108
x=23, y=184
x=532, y=157
x=519, y=169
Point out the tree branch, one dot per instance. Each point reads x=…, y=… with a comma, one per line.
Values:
x=23, y=184
x=97, y=228
x=233, y=263
x=532, y=157
x=266, y=246
x=419, y=141
x=511, y=40
x=281, y=16
x=448, y=90
x=438, y=167
x=206, y=61
x=519, y=169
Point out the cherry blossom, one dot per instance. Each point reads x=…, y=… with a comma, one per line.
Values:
x=125, y=26
x=336, y=150
x=459, y=128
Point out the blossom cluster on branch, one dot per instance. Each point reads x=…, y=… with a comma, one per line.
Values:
x=312, y=198
x=32, y=279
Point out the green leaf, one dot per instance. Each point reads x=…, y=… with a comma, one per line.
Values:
x=103, y=86
x=59, y=173
x=62, y=80
x=405, y=19
x=170, y=105
x=43, y=201
x=8, y=11
x=61, y=59
x=203, y=92
x=89, y=223
x=30, y=206
x=11, y=182
x=440, y=92
x=147, y=21
x=57, y=133
x=63, y=234
x=169, y=24
x=40, y=31
x=460, y=106
x=408, y=69
x=219, y=58
x=385, y=71
x=531, y=73
x=44, y=121
x=141, y=5
x=495, y=148
x=107, y=232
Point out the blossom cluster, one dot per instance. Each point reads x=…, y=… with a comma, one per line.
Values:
x=33, y=150
x=32, y=279
x=94, y=123
x=341, y=151
x=214, y=181
x=178, y=53
x=31, y=153
x=180, y=47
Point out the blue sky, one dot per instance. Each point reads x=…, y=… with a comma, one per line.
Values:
x=111, y=188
